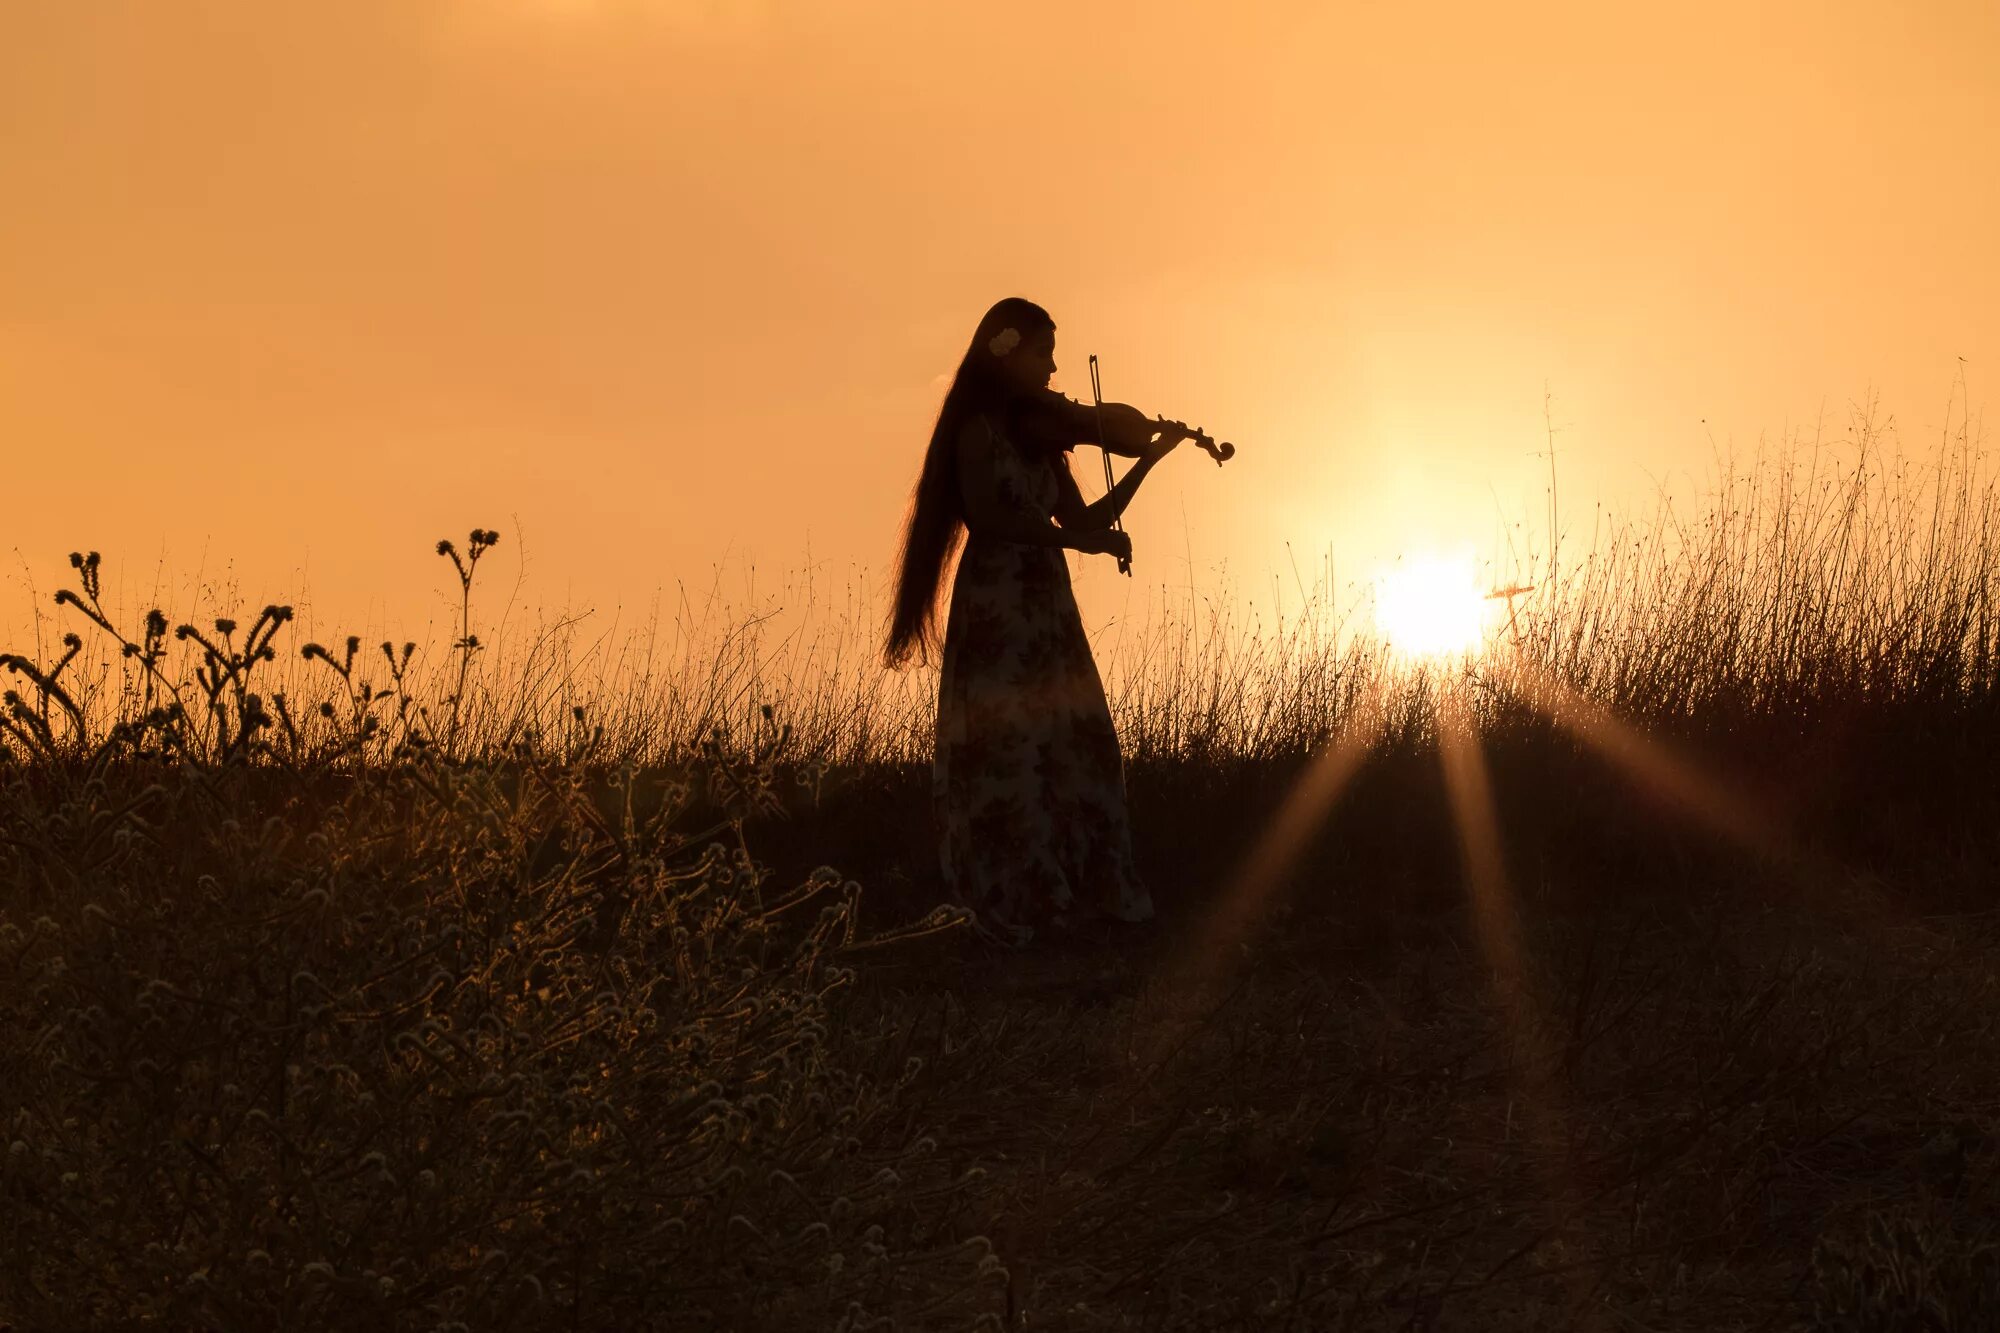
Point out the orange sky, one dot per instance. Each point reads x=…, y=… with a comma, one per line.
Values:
x=299, y=288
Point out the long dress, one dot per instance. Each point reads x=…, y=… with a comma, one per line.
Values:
x=1027, y=782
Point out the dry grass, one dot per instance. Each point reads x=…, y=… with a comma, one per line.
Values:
x=398, y=986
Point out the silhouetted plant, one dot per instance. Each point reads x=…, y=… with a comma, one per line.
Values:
x=467, y=643
x=225, y=670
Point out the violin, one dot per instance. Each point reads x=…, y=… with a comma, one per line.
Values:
x=1055, y=421
x=1049, y=419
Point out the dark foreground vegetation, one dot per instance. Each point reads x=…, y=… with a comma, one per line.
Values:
x=1640, y=975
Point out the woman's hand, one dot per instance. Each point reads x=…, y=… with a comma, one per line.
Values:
x=1105, y=541
x=1170, y=434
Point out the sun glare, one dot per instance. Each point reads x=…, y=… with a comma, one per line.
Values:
x=1430, y=606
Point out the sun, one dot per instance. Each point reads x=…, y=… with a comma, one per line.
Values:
x=1431, y=606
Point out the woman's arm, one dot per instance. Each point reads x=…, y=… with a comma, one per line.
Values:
x=1076, y=516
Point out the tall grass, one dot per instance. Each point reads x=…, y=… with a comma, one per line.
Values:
x=1823, y=576
x=1830, y=575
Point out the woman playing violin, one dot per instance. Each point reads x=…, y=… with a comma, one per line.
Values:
x=1027, y=781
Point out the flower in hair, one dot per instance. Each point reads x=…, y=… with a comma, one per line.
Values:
x=1004, y=341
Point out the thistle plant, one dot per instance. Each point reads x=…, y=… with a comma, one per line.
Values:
x=29, y=724
x=477, y=544
x=360, y=721
x=147, y=652
x=236, y=714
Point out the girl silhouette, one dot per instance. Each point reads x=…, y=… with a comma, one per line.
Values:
x=1028, y=785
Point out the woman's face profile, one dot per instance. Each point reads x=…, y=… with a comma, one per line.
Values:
x=1033, y=362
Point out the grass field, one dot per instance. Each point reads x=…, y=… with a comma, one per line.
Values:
x=1639, y=973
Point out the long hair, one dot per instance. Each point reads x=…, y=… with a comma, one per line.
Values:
x=937, y=511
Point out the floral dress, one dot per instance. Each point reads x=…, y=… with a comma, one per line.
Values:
x=1027, y=782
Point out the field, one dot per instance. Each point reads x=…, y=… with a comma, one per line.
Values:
x=1638, y=974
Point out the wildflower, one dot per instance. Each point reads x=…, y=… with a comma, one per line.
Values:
x=1004, y=341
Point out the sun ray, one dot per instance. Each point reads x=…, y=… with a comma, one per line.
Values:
x=1475, y=818
x=1199, y=968
x=1720, y=805
x=1250, y=890
x=1469, y=789
x=1713, y=802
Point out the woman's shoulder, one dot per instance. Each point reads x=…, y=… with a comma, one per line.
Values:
x=1046, y=422
x=978, y=429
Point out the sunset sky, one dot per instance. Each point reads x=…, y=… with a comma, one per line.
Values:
x=292, y=290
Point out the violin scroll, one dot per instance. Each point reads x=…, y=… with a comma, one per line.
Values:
x=1208, y=444
x=1220, y=452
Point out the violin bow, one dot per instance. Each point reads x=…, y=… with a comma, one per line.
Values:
x=1097, y=401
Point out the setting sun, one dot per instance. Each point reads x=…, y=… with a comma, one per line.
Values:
x=1430, y=606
